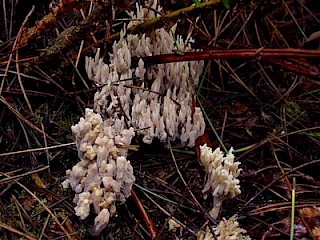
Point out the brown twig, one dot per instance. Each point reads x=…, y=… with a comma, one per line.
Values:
x=25, y=120
x=56, y=12
x=232, y=54
x=151, y=228
x=296, y=66
x=44, y=206
x=11, y=229
x=159, y=22
x=14, y=47
x=279, y=178
x=73, y=35
x=258, y=211
x=273, y=56
x=193, y=198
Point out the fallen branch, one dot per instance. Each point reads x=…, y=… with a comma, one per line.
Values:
x=25, y=120
x=159, y=22
x=147, y=220
x=71, y=36
x=56, y=12
x=296, y=66
x=11, y=229
x=263, y=53
x=292, y=63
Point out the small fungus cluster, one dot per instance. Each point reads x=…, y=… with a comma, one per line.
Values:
x=227, y=229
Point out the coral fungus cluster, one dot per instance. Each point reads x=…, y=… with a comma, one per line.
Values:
x=104, y=175
x=227, y=229
x=154, y=102
x=151, y=102
x=222, y=173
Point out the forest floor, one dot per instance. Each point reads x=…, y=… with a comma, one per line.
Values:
x=262, y=99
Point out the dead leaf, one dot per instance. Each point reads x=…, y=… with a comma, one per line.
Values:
x=311, y=219
x=37, y=180
x=314, y=37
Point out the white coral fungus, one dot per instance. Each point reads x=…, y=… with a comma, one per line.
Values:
x=222, y=172
x=159, y=102
x=103, y=176
x=227, y=229
x=156, y=102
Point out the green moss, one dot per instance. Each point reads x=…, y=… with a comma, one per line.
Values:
x=293, y=109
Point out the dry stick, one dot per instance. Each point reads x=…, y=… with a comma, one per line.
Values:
x=310, y=14
x=159, y=22
x=19, y=208
x=281, y=169
x=75, y=66
x=276, y=31
x=56, y=12
x=281, y=206
x=168, y=214
x=299, y=67
x=290, y=148
x=21, y=84
x=27, y=59
x=11, y=229
x=44, y=227
x=192, y=195
x=37, y=149
x=15, y=91
x=5, y=18
x=186, y=185
x=26, y=136
x=44, y=206
x=273, y=137
x=151, y=228
x=26, y=215
x=257, y=33
x=220, y=24
x=50, y=80
x=23, y=119
x=7, y=179
x=271, y=226
x=269, y=81
x=194, y=25
x=279, y=178
x=294, y=19
x=14, y=47
x=73, y=35
x=241, y=29
x=224, y=124
x=272, y=56
x=259, y=53
x=49, y=157
x=228, y=69
x=290, y=187
x=172, y=212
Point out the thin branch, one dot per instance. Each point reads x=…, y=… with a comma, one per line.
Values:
x=11, y=229
x=159, y=22
x=259, y=53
